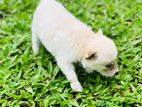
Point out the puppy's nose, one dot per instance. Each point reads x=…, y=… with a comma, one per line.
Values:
x=116, y=73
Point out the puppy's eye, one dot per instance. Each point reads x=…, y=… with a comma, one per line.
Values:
x=109, y=65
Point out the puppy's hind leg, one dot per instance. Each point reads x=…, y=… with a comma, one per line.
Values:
x=35, y=42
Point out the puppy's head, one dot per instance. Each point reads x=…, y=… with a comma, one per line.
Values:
x=101, y=55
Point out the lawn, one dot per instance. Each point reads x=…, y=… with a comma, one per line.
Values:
x=36, y=81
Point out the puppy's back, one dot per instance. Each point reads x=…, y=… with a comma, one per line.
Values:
x=52, y=16
x=59, y=31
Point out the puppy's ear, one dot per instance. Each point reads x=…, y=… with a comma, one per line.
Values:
x=91, y=55
x=100, y=32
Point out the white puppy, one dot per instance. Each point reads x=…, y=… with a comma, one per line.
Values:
x=70, y=40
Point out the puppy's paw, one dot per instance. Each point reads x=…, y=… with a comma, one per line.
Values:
x=88, y=71
x=76, y=87
x=35, y=50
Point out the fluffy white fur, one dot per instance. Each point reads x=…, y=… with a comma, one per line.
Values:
x=70, y=40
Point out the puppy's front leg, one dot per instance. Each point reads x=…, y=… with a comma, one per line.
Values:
x=68, y=70
x=88, y=70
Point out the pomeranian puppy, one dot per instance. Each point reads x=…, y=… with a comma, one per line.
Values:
x=69, y=40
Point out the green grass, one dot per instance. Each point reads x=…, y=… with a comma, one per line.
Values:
x=36, y=81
